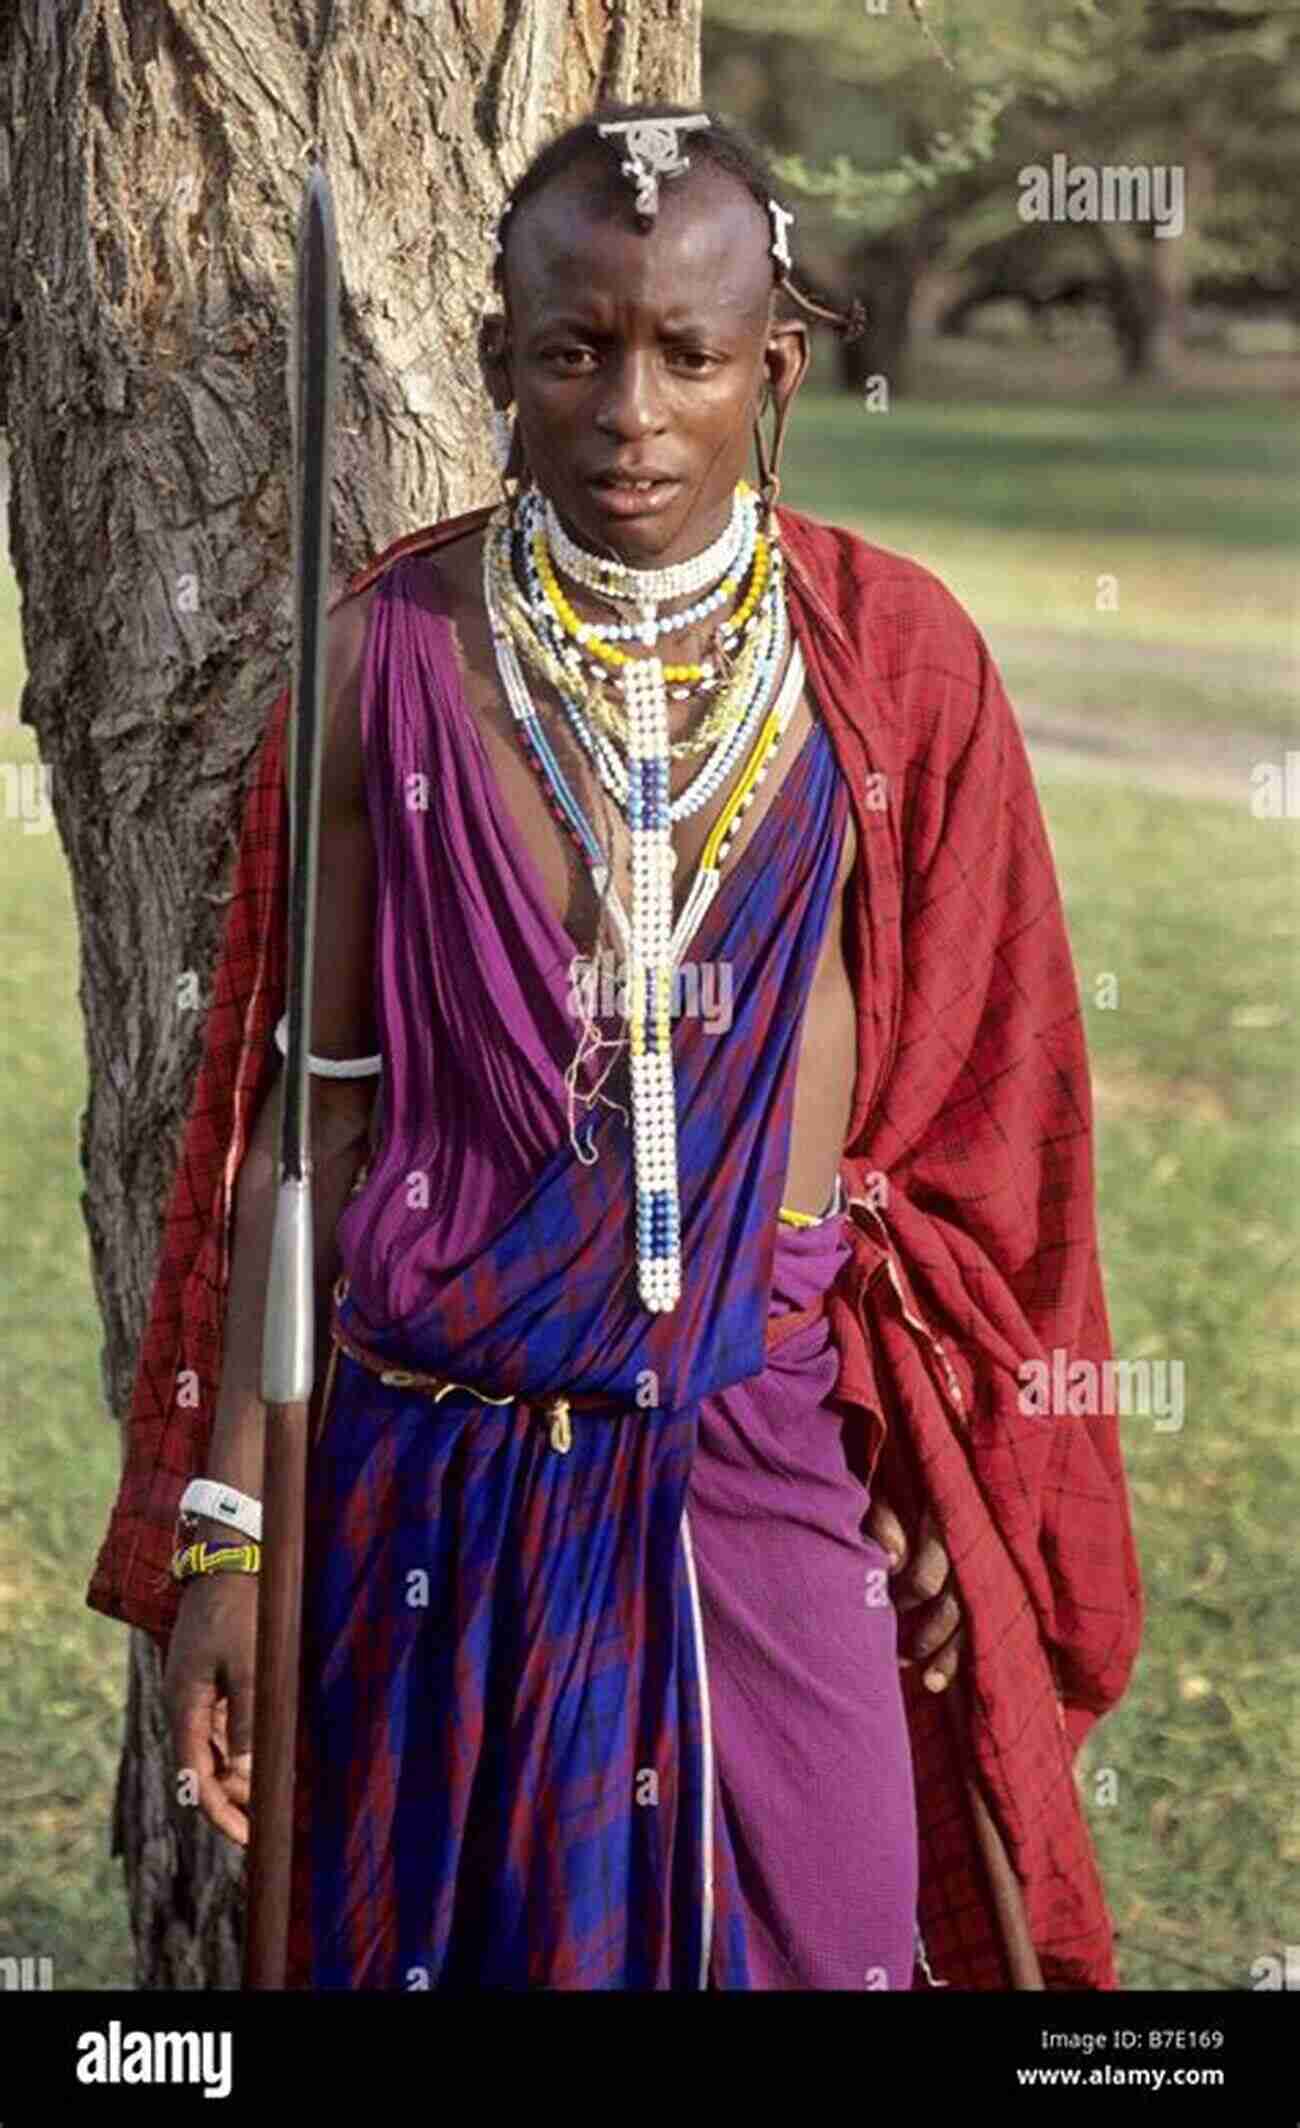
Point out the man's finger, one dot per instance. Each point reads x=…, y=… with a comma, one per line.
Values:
x=234, y=1767
x=940, y=1671
x=237, y=1780
x=938, y=1624
x=241, y=1721
x=884, y=1526
x=194, y=1752
x=927, y=1571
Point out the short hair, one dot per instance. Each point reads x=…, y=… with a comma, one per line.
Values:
x=721, y=144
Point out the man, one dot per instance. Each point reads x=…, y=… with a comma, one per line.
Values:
x=601, y=1678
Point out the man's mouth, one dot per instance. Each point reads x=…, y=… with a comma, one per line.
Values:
x=628, y=495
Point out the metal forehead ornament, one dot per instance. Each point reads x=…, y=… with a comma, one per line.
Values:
x=653, y=151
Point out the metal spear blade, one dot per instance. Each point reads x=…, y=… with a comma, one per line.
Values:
x=287, y=1353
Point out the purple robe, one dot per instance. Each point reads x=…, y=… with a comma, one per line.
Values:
x=629, y=1716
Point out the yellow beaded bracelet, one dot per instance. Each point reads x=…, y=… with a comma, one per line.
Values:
x=204, y=1558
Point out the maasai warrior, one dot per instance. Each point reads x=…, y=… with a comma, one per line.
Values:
x=643, y=1287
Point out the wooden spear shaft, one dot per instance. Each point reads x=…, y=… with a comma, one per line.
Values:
x=288, y=1347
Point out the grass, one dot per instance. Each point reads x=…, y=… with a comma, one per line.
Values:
x=61, y=1711
x=1193, y=909
x=1021, y=509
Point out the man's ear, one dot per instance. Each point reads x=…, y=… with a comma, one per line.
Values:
x=785, y=360
x=494, y=359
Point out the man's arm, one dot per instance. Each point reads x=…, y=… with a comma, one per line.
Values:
x=210, y=1668
x=339, y=1109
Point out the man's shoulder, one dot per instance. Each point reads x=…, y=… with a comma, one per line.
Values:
x=924, y=671
x=868, y=585
x=426, y=539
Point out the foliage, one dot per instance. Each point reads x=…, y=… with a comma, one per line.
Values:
x=1216, y=85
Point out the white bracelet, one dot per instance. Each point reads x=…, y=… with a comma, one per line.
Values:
x=223, y=1503
x=328, y=1067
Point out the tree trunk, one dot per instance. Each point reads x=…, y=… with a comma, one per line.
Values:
x=883, y=274
x=152, y=154
x=1129, y=302
x=1146, y=277
x=1166, y=263
x=887, y=271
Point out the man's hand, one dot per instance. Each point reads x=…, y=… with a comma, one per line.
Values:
x=208, y=1695
x=930, y=1621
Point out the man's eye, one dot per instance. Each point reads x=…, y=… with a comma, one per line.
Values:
x=696, y=358
x=570, y=358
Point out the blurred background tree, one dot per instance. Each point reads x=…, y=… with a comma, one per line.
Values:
x=902, y=133
x=1091, y=440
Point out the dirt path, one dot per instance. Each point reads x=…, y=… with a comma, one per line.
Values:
x=1186, y=760
x=1191, y=755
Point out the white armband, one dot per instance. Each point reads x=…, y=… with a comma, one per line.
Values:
x=223, y=1503
x=328, y=1067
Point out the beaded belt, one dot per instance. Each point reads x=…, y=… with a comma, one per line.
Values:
x=555, y=1407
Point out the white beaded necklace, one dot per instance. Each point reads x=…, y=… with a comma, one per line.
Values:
x=599, y=745
x=649, y=628
x=642, y=587
x=653, y=943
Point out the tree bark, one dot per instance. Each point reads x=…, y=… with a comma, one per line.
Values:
x=883, y=271
x=888, y=271
x=1135, y=300
x=152, y=154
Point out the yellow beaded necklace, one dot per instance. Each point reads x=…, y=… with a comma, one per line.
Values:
x=609, y=654
x=723, y=716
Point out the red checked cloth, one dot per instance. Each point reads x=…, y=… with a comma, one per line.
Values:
x=970, y=1149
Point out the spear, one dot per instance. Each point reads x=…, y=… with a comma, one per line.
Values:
x=288, y=1344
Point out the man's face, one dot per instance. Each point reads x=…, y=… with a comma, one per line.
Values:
x=641, y=354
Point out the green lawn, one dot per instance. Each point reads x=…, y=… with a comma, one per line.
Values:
x=60, y=1713
x=1193, y=908
x=1022, y=508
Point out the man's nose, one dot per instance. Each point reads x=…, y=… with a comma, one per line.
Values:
x=630, y=405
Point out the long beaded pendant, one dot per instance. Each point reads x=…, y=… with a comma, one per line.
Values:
x=650, y=977
x=653, y=945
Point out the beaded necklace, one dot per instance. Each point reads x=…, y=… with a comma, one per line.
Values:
x=753, y=672
x=600, y=643
x=565, y=673
x=734, y=555
x=648, y=588
x=653, y=943
x=764, y=655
